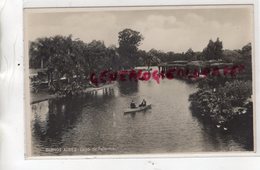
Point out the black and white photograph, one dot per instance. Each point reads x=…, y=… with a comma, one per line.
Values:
x=139, y=80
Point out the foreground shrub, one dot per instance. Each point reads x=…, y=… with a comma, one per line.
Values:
x=224, y=102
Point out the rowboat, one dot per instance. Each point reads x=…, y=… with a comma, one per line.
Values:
x=138, y=109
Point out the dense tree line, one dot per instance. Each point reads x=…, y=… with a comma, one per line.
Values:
x=63, y=56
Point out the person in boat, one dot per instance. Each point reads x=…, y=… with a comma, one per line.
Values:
x=132, y=105
x=143, y=103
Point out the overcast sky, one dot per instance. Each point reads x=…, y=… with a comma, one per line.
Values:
x=163, y=29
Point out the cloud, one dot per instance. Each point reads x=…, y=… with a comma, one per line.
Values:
x=170, y=31
x=193, y=31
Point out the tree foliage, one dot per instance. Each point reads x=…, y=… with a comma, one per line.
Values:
x=71, y=59
x=74, y=60
x=129, y=41
x=213, y=51
x=219, y=103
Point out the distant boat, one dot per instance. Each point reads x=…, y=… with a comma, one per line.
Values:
x=138, y=109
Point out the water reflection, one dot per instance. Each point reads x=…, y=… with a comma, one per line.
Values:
x=128, y=87
x=236, y=134
x=97, y=120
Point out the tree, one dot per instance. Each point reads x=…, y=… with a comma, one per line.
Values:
x=247, y=59
x=213, y=51
x=96, y=56
x=153, y=57
x=175, y=56
x=169, y=56
x=39, y=52
x=232, y=56
x=113, y=57
x=62, y=57
x=247, y=50
x=79, y=50
x=47, y=51
x=190, y=54
x=61, y=62
x=129, y=40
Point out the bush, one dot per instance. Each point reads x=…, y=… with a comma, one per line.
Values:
x=219, y=102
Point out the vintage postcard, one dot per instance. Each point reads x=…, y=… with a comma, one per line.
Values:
x=139, y=80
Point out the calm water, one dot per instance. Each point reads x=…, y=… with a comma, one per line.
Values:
x=96, y=124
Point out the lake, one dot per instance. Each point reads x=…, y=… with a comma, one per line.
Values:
x=96, y=123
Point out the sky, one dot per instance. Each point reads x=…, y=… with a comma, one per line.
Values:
x=167, y=29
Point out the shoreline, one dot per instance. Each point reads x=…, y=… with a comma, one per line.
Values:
x=43, y=96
